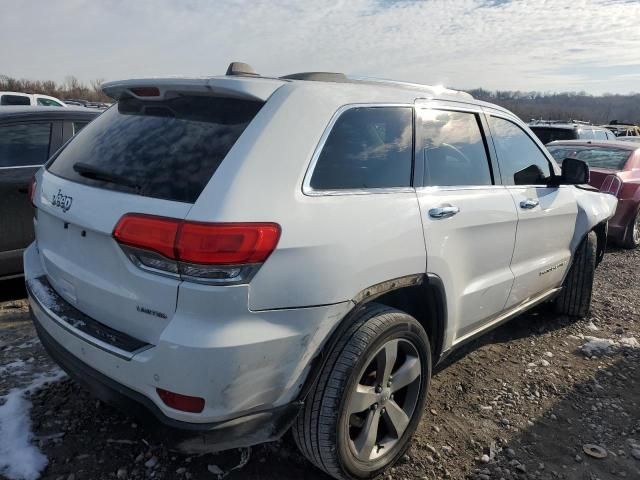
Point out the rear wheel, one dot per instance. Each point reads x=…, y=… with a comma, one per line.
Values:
x=632, y=235
x=363, y=410
x=575, y=298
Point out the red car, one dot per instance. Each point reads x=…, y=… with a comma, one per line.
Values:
x=615, y=169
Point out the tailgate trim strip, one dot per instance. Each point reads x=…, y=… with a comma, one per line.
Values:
x=74, y=321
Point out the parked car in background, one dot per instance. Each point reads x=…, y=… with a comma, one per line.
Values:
x=615, y=169
x=398, y=221
x=628, y=139
x=28, y=136
x=551, y=130
x=35, y=99
x=622, y=130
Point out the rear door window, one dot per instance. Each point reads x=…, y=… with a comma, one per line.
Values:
x=367, y=148
x=24, y=144
x=165, y=149
x=453, y=147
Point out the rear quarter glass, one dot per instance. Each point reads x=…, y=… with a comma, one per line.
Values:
x=168, y=149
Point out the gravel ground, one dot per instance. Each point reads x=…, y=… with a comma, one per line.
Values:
x=523, y=402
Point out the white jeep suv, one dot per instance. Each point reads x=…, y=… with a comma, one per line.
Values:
x=240, y=255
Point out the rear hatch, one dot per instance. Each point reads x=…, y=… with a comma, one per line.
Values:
x=151, y=156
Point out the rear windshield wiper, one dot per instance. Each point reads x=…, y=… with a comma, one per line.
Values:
x=96, y=173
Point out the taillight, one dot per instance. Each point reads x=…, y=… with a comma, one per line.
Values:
x=181, y=402
x=611, y=184
x=219, y=253
x=32, y=190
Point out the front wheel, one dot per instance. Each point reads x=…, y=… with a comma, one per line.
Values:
x=575, y=298
x=362, y=412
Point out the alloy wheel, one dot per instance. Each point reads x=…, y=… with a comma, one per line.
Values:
x=383, y=401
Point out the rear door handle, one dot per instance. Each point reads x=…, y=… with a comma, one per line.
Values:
x=443, y=212
x=529, y=203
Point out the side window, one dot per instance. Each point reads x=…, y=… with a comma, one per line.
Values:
x=368, y=147
x=599, y=134
x=77, y=126
x=24, y=144
x=47, y=102
x=521, y=161
x=586, y=133
x=453, y=148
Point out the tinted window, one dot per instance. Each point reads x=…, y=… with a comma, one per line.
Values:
x=521, y=161
x=164, y=149
x=24, y=144
x=596, y=157
x=46, y=102
x=550, y=134
x=15, y=100
x=453, y=148
x=368, y=147
x=77, y=126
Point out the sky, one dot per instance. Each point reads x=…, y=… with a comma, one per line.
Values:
x=552, y=45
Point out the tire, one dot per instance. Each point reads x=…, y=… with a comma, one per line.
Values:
x=631, y=237
x=326, y=431
x=575, y=298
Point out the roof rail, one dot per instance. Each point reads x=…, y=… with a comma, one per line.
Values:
x=317, y=76
x=241, y=69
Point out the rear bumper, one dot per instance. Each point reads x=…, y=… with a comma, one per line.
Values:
x=188, y=437
x=249, y=368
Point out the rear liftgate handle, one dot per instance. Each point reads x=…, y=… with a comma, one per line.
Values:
x=443, y=212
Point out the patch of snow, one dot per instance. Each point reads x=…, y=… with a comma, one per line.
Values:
x=629, y=342
x=591, y=326
x=19, y=458
x=597, y=346
x=18, y=367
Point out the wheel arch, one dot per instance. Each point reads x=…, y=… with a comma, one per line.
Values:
x=422, y=296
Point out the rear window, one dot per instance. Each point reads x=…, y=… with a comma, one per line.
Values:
x=14, y=100
x=547, y=135
x=595, y=157
x=165, y=149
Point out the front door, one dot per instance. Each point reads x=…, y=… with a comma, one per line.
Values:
x=469, y=219
x=546, y=215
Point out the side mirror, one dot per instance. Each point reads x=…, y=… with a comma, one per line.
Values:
x=574, y=172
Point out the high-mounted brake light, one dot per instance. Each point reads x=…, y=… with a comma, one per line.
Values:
x=222, y=253
x=145, y=91
x=611, y=184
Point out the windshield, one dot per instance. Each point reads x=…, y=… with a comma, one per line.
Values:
x=167, y=149
x=595, y=157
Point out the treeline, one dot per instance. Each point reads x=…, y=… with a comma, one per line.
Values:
x=70, y=88
x=600, y=109
x=527, y=105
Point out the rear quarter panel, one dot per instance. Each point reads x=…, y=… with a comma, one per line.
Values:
x=331, y=246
